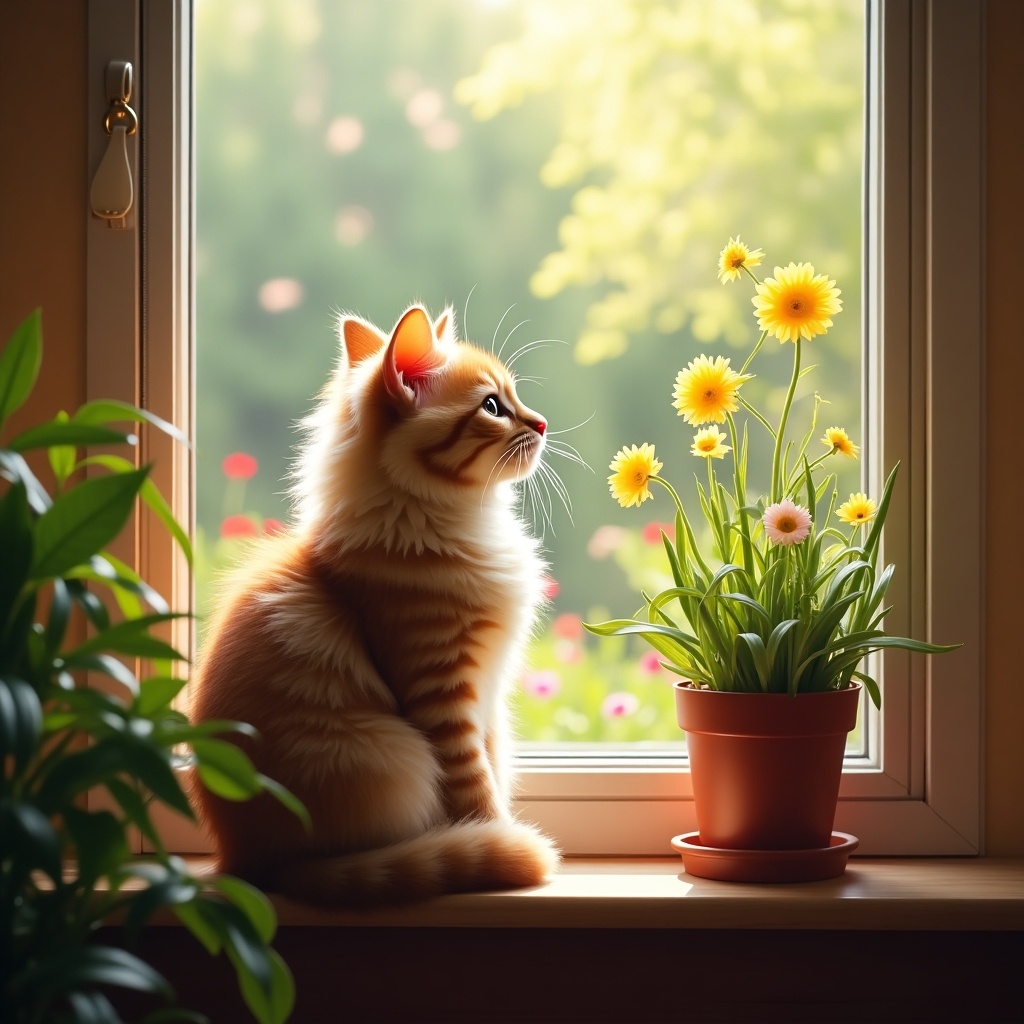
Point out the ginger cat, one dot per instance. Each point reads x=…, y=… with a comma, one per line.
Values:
x=373, y=645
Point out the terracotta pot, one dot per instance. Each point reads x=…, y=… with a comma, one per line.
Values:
x=765, y=767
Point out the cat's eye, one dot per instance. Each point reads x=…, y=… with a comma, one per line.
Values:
x=492, y=406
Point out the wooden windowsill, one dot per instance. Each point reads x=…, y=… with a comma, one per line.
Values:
x=881, y=894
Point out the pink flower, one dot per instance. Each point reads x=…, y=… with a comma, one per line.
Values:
x=238, y=526
x=568, y=627
x=605, y=540
x=620, y=705
x=273, y=526
x=650, y=663
x=239, y=466
x=786, y=523
x=551, y=588
x=543, y=684
x=652, y=532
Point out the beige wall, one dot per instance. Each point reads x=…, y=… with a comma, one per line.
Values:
x=43, y=199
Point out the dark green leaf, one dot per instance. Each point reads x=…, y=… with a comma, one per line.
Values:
x=92, y=1008
x=57, y=433
x=202, y=924
x=157, y=693
x=57, y=620
x=108, y=665
x=15, y=546
x=21, y=720
x=100, y=843
x=29, y=832
x=83, y=521
x=152, y=768
x=288, y=799
x=135, y=808
x=79, y=771
x=171, y=890
x=95, y=610
x=19, y=364
x=275, y=1007
x=89, y=966
x=250, y=956
x=13, y=468
x=252, y=903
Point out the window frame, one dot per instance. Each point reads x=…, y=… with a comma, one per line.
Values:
x=921, y=793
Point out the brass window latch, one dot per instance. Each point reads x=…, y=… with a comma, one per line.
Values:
x=112, y=191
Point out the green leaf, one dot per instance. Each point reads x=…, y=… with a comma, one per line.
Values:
x=21, y=721
x=276, y=1006
x=13, y=468
x=28, y=833
x=287, y=798
x=100, y=843
x=152, y=768
x=156, y=693
x=77, y=772
x=112, y=411
x=225, y=769
x=169, y=886
x=92, y=1008
x=89, y=966
x=134, y=806
x=106, y=664
x=251, y=902
x=15, y=547
x=19, y=364
x=58, y=433
x=83, y=521
x=195, y=918
x=132, y=637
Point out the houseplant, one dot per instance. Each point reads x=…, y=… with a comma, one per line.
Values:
x=66, y=866
x=773, y=611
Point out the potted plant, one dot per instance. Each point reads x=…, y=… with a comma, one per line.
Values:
x=66, y=867
x=774, y=607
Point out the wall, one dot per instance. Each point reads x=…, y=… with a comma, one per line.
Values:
x=43, y=199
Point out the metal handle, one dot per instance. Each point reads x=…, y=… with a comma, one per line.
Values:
x=112, y=190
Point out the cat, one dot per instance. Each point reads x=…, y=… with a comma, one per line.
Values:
x=372, y=645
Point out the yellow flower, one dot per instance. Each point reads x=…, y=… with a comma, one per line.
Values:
x=705, y=391
x=839, y=441
x=632, y=468
x=858, y=510
x=796, y=303
x=734, y=257
x=708, y=443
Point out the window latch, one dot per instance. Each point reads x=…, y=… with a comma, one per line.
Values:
x=112, y=191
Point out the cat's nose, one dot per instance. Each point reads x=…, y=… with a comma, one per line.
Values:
x=540, y=426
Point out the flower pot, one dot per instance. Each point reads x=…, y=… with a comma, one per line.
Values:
x=765, y=767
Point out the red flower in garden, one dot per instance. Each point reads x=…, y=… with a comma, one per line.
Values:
x=237, y=526
x=551, y=588
x=273, y=526
x=651, y=533
x=239, y=466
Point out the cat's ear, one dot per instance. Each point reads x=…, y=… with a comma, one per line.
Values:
x=413, y=353
x=444, y=327
x=359, y=339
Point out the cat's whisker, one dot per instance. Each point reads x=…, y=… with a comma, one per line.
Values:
x=529, y=347
x=465, y=313
x=509, y=335
x=552, y=477
x=494, y=339
x=568, y=430
x=531, y=380
x=566, y=451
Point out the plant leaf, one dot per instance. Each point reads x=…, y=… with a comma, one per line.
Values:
x=83, y=521
x=100, y=843
x=112, y=411
x=58, y=433
x=19, y=364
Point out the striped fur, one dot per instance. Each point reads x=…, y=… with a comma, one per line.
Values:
x=373, y=645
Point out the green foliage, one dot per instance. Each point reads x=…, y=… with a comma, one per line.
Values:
x=66, y=867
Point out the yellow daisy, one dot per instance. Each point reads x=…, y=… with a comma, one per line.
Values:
x=708, y=443
x=839, y=441
x=796, y=303
x=858, y=510
x=632, y=469
x=734, y=257
x=706, y=390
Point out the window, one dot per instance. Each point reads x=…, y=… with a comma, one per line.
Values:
x=921, y=226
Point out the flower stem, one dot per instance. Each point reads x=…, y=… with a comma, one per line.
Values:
x=756, y=349
x=780, y=437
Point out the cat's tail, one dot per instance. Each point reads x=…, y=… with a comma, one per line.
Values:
x=466, y=857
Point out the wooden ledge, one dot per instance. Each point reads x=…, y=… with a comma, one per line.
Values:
x=875, y=894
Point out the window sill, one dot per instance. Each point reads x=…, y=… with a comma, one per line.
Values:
x=875, y=894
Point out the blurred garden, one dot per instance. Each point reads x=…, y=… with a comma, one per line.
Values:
x=563, y=171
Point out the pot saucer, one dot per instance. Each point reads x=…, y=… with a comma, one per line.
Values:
x=809, y=865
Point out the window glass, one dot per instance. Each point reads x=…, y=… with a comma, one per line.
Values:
x=562, y=172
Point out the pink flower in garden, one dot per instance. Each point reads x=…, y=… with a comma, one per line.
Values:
x=786, y=523
x=620, y=705
x=567, y=652
x=543, y=684
x=605, y=540
x=551, y=588
x=652, y=532
x=273, y=526
x=237, y=526
x=650, y=663
x=568, y=627
x=239, y=466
